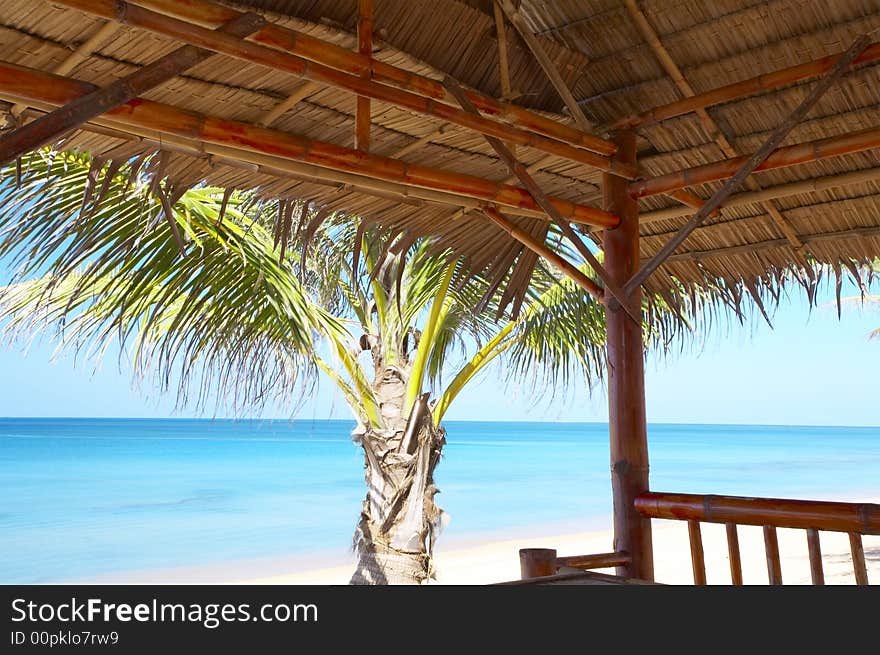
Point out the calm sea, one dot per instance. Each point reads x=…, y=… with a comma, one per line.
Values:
x=81, y=498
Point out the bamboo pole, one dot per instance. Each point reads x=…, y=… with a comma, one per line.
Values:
x=713, y=129
x=206, y=13
x=771, y=549
x=698, y=560
x=81, y=53
x=285, y=168
x=813, y=185
x=746, y=248
x=745, y=88
x=541, y=249
x=747, y=166
x=48, y=128
x=547, y=65
x=861, y=518
x=800, y=153
x=365, y=47
x=736, y=573
x=29, y=85
x=301, y=92
x=626, y=378
x=815, y=549
x=503, y=64
x=537, y=562
x=418, y=143
x=544, y=202
x=597, y=561
x=858, y=558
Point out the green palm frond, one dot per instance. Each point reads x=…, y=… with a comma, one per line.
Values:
x=96, y=259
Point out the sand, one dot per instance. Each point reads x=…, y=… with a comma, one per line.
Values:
x=497, y=560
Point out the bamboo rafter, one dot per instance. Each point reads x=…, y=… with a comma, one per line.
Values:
x=50, y=127
x=365, y=47
x=30, y=85
x=713, y=129
x=749, y=165
x=254, y=53
x=745, y=88
x=211, y=14
x=813, y=185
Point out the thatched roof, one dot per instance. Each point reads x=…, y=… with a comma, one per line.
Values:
x=611, y=69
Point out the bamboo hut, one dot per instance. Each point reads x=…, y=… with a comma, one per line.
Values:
x=728, y=145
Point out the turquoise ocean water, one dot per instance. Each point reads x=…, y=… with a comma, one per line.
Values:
x=81, y=498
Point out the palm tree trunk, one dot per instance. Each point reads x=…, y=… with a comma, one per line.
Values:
x=399, y=520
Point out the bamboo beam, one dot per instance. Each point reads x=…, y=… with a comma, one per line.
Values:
x=813, y=185
x=207, y=13
x=541, y=249
x=863, y=518
x=746, y=88
x=302, y=92
x=746, y=168
x=48, y=128
x=628, y=431
x=82, y=52
x=285, y=168
x=801, y=153
x=29, y=85
x=257, y=54
x=365, y=47
x=544, y=202
x=546, y=63
x=713, y=129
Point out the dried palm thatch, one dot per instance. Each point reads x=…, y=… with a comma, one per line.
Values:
x=617, y=59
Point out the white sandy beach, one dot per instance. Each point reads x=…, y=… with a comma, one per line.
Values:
x=499, y=561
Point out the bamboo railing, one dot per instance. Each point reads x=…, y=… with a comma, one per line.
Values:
x=769, y=513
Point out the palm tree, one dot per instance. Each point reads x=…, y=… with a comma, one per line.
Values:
x=244, y=300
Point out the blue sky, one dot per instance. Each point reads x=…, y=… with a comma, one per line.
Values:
x=811, y=369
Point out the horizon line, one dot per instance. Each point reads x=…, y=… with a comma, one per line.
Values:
x=463, y=420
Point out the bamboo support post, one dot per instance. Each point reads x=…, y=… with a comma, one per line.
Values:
x=815, y=550
x=771, y=549
x=544, y=202
x=745, y=88
x=747, y=167
x=537, y=562
x=365, y=47
x=733, y=554
x=626, y=378
x=28, y=85
x=253, y=52
x=858, y=557
x=541, y=249
x=50, y=127
x=698, y=561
